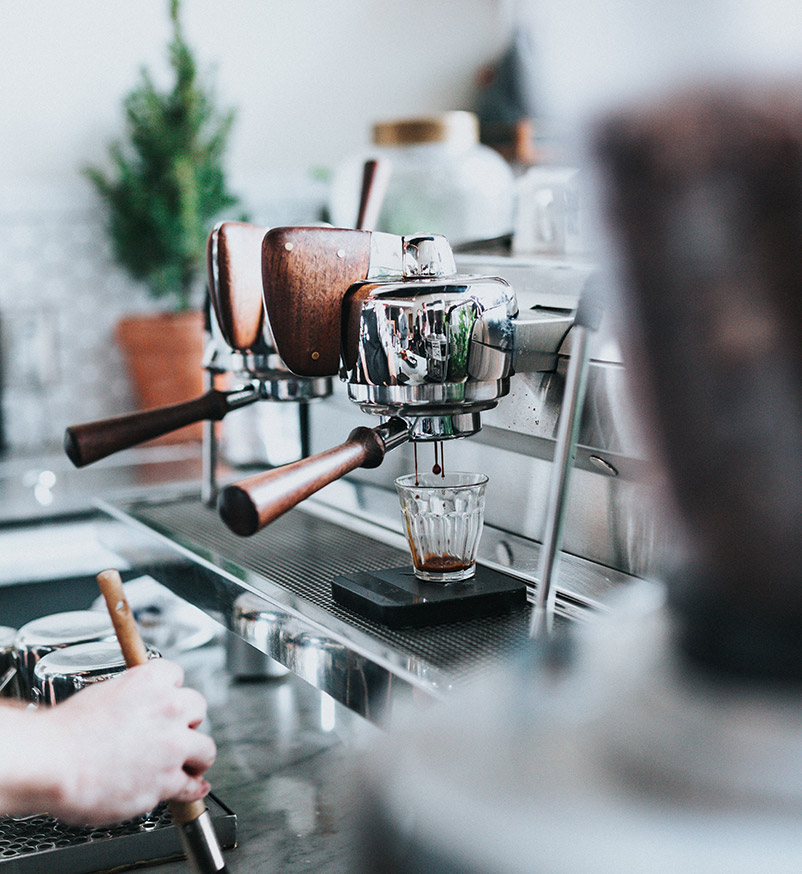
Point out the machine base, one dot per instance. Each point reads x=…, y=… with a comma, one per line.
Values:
x=397, y=598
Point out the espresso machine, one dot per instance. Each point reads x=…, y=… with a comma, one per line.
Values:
x=415, y=343
x=433, y=353
x=426, y=349
x=240, y=348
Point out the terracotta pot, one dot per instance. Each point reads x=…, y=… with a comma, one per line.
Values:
x=163, y=353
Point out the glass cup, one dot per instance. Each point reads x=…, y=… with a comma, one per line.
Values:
x=443, y=516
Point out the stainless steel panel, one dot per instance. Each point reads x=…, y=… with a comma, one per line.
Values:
x=613, y=517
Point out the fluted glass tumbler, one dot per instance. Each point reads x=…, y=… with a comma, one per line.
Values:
x=443, y=516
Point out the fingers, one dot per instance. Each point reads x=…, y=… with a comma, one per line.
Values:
x=136, y=731
x=164, y=671
x=190, y=706
x=201, y=753
x=193, y=789
x=190, y=755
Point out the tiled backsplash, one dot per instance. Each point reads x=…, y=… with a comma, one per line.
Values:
x=60, y=297
x=61, y=294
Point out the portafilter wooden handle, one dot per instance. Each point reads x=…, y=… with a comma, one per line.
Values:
x=92, y=441
x=191, y=817
x=249, y=505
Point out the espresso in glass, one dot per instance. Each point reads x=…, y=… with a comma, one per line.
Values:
x=444, y=516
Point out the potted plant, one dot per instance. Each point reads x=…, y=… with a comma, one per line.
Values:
x=166, y=188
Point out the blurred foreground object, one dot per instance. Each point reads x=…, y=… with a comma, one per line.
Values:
x=704, y=204
x=660, y=738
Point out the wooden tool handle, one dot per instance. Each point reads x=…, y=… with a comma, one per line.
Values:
x=95, y=440
x=305, y=275
x=122, y=618
x=135, y=653
x=234, y=261
x=249, y=505
x=375, y=178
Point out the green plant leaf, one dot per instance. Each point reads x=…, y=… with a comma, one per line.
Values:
x=167, y=183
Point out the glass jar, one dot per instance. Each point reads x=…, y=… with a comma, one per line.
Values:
x=442, y=180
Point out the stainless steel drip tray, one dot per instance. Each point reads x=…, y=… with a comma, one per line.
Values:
x=290, y=566
x=35, y=844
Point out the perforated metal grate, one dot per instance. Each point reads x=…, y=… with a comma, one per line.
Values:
x=37, y=834
x=35, y=844
x=303, y=554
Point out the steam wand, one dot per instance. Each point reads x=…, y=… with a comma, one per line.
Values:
x=587, y=319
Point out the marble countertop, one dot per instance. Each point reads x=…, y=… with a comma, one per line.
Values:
x=284, y=766
x=46, y=487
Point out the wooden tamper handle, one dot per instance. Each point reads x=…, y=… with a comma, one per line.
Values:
x=249, y=505
x=192, y=817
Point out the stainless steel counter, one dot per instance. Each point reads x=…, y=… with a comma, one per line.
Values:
x=290, y=565
x=284, y=766
x=45, y=487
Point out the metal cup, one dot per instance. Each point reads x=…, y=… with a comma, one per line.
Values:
x=256, y=627
x=41, y=636
x=8, y=663
x=65, y=671
x=444, y=517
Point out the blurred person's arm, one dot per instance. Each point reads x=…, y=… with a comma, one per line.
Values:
x=108, y=753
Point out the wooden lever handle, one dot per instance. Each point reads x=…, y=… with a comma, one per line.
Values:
x=375, y=179
x=95, y=440
x=135, y=653
x=305, y=275
x=249, y=505
x=234, y=262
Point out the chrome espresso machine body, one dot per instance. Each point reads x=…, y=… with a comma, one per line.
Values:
x=433, y=353
x=413, y=338
x=416, y=343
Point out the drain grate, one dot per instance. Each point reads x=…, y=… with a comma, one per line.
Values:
x=33, y=844
x=302, y=554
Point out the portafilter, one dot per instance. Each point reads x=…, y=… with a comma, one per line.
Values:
x=416, y=343
x=241, y=344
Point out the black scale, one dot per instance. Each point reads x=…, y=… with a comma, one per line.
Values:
x=397, y=598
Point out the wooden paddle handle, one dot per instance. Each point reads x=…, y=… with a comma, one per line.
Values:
x=95, y=440
x=375, y=179
x=135, y=653
x=234, y=262
x=249, y=505
x=305, y=275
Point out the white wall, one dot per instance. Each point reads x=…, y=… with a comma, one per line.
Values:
x=307, y=76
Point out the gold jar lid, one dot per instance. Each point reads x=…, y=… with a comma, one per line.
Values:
x=456, y=126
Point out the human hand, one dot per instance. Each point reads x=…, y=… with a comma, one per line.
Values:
x=119, y=747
